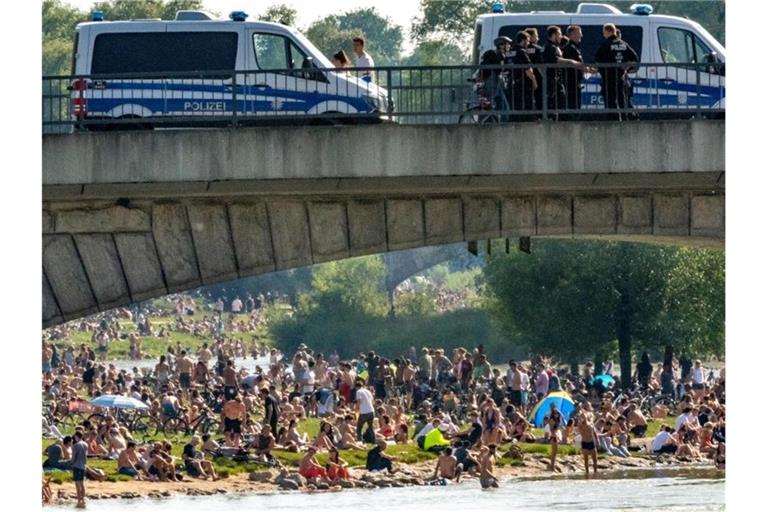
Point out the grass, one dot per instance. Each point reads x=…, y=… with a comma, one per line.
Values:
x=152, y=346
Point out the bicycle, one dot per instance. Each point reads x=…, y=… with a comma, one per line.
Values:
x=482, y=111
x=204, y=424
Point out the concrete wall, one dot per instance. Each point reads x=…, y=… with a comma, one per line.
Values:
x=101, y=254
x=383, y=151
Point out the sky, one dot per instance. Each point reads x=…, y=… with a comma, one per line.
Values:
x=400, y=11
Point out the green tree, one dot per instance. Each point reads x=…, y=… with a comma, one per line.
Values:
x=435, y=53
x=135, y=9
x=356, y=282
x=280, y=13
x=383, y=38
x=692, y=319
x=456, y=20
x=574, y=299
x=59, y=21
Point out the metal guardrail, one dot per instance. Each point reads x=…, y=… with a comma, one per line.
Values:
x=409, y=94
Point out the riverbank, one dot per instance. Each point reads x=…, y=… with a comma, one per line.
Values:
x=418, y=474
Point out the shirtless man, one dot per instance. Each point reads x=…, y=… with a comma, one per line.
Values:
x=234, y=414
x=638, y=425
x=447, y=466
x=310, y=468
x=230, y=380
x=487, y=462
x=588, y=441
x=128, y=462
x=185, y=365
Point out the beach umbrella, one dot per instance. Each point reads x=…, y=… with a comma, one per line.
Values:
x=561, y=399
x=118, y=402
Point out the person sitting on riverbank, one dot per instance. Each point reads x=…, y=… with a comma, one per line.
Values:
x=128, y=462
x=638, y=425
x=337, y=468
x=377, y=460
x=664, y=442
x=59, y=455
x=195, y=463
x=310, y=468
x=447, y=466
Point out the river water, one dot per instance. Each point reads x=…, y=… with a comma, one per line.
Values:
x=670, y=490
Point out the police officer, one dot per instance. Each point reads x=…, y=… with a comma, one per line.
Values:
x=573, y=77
x=553, y=55
x=614, y=51
x=493, y=78
x=524, y=82
x=536, y=54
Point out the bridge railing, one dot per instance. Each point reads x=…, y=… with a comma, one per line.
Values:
x=403, y=94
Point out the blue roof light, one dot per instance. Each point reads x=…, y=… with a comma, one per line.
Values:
x=641, y=9
x=238, y=16
x=497, y=8
x=97, y=16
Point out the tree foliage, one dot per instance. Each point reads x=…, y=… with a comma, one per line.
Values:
x=575, y=299
x=280, y=13
x=455, y=20
x=383, y=38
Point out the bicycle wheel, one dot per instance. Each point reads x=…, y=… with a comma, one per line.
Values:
x=71, y=420
x=210, y=426
x=145, y=427
x=175, y=426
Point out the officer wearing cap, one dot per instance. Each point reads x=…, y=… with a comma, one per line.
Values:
x=492, y=77
x=614, y=51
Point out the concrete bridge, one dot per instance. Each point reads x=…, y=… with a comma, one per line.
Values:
x=130, y=216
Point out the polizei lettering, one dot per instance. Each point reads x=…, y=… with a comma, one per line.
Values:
x=201, y=106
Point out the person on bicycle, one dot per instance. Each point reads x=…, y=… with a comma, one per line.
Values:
x=495, y=79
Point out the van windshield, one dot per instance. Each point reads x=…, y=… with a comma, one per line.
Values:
x=320, y=59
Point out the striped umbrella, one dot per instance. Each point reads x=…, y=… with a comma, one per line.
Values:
x=118, y=402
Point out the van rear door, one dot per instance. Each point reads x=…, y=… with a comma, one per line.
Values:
x=691, y=76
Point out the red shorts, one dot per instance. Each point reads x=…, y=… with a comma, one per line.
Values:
x=313, y=473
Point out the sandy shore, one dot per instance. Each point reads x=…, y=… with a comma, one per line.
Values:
x=268, y=481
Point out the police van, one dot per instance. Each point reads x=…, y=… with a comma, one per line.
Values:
x=688, y=68
x=154, y=71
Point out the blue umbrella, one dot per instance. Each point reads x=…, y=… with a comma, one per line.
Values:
x=118, y=402
x=606, y=380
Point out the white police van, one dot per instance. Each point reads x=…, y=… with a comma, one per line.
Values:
x=670, y=42
x=148, y=70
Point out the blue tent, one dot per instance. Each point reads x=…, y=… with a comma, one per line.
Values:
x=606, y=380
x=561, y=399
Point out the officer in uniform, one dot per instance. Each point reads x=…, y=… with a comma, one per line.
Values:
x=614, y=51
x=555, y=83
x=573, y=77
x=536, y=54
x=493, y=77
x=524, y=82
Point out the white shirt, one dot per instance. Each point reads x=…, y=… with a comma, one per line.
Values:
x=426, y=430
x=309, y=381
x=365, y=61
x=237, y=306
x=542, y=383
x=366, y=400
x=697, y=375
x=525, y=382
x=660, y=440
x=685, y=418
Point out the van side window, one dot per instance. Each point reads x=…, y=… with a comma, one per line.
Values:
x=682, y=46
x=593, y=36
x=270, y=51
x=161, y=52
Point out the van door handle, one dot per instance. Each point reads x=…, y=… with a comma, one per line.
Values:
x=667, y=80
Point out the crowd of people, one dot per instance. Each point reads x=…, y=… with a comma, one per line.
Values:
x=457, y=404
